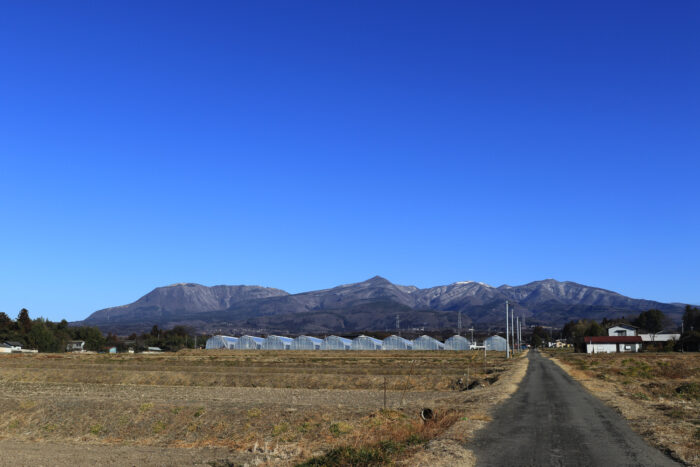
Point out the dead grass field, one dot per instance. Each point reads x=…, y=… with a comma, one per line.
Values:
x=257, y=407
x=659, y=393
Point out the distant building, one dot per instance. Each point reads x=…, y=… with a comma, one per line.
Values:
x=495, y=343
x=660, y=337
x=457, y=343
x=366, y=343
x=75, y=346
x=622, y=330
x=336, y=343
x=613, y=344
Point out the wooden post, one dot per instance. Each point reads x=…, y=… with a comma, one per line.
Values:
x=385, y=393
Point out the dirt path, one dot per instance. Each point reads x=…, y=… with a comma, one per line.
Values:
x=553, y=420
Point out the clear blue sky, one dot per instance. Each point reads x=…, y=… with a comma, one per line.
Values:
x=301, y=145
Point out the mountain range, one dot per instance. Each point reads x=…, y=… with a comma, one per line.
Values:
x=373, y=304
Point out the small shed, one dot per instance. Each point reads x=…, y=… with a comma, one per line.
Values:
x=273, y=342
x=427, y=343
x=249, y=343
x=306, y=343
x=613, y=344
x=495, y=343
x=336, y=343
x=75, y=346
x=366, y=343
x=396, y=343
x=457, y=343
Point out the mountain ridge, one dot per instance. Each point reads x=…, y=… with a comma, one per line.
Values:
x=368, y=305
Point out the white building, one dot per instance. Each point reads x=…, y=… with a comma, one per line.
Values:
x=457, y=343
x=396, y=343
x=427, y=343
x=660, y=337
x=306, y=343
x=336, y=343
x=613, y=344
x=366, y=343
x=273, y=342
x=622, y=330
x=75, y=346
x=495, y=343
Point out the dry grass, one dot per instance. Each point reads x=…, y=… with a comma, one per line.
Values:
x=279, y=407
x=659, y=393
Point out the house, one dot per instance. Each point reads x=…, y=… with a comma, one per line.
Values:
x=75, y=346
x=622, y=330
x=613, y=344
x=5, y=348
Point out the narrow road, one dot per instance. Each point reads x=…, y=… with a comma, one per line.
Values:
x=552, y=420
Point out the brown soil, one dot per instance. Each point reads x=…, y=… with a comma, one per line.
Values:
x=227, y=407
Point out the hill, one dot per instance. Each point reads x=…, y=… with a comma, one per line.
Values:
x=369, y=305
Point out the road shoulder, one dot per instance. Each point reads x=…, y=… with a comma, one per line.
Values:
x=449, y=449
x=644, y=416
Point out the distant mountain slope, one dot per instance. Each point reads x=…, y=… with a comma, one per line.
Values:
x=369, y=305
x=177, y=299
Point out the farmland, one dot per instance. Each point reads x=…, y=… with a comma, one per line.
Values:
x=659, y=394
x=235, y=407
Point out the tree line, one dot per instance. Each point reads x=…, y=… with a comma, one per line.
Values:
x=47, y=336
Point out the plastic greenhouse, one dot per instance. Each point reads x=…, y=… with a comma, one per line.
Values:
x=495, y=343
x=221, y=342
x=336, y=343
x=457, y=343
x=249, y=343
x=277, y=343
x=306, y=343
x=427, y=343
x=366, y=343
x=396, y=343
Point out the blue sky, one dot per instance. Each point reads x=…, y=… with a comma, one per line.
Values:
x=301, y=145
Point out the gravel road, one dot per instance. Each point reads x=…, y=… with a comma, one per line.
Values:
x=553, y=420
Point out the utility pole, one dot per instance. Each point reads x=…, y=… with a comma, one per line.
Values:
x=507, y=334
x=398, y=325
x=517, y=323
x=459, y=323
x=472, y=330
x=512, y=327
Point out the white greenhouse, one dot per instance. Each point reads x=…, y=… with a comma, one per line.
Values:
x=306, y=343
x=495, y=343
x=427, y=343
x=221, y=342
x=457, y=343
x=336, y=343
x=277, y=343
x=366, y=343
x=249, y=343
x=396, y=343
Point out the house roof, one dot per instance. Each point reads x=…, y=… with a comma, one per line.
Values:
x=613, y=340
x=623, y=325
x=13, y=343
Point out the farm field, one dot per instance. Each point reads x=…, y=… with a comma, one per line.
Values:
x=238, y=407
x=658, y=393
